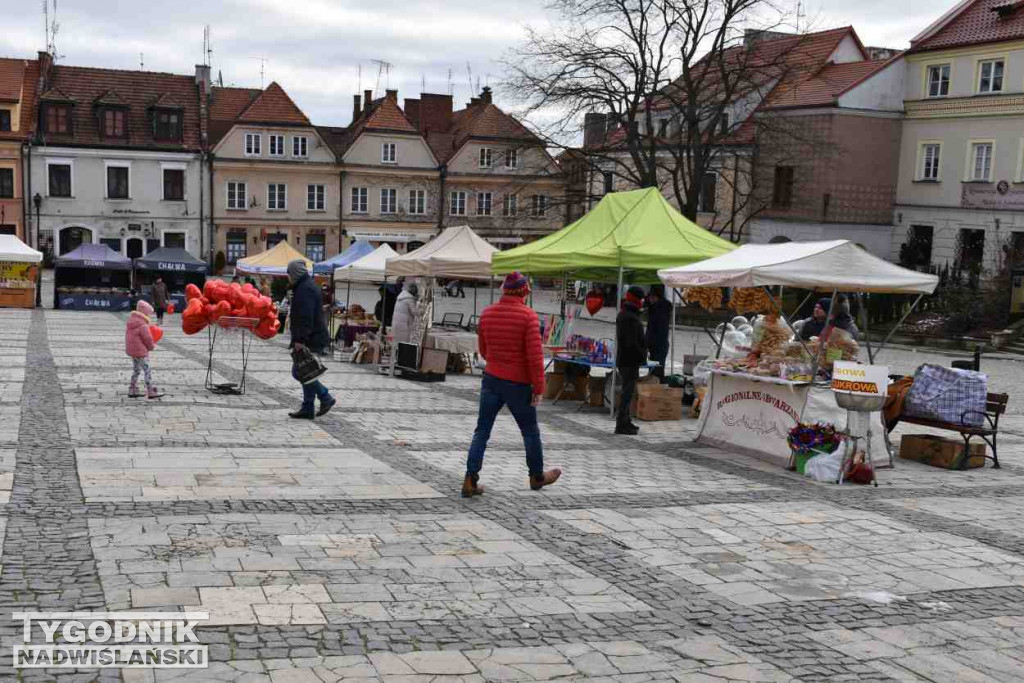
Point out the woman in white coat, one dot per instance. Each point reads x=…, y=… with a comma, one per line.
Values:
x=404, y=320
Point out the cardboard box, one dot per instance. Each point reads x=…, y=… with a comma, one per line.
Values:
x=434, y=360
x=596, y=392
x=939, y=451
x=663, y=404
x=553, y=384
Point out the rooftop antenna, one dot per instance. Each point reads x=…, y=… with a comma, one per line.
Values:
x=207, y=46
x=423, y=83
x=469, y=78
x=359, y=77
x=799, y=14
x=51, y=29
x=142, y=61
x=220, y=78
x=263, y=62
x=383, y=67
x=450, y=87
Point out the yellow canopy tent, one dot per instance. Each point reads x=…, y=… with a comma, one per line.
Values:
x=272, y=262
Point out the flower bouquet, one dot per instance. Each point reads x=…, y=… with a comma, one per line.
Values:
x=808, y=440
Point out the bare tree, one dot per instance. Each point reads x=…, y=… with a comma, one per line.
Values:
x=680, y=79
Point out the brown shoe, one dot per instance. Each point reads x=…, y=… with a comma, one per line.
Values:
x=470, y=487
x=546, y=479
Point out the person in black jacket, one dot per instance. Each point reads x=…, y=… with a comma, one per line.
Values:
x=308, y=331
x=659, y=322
x=630, y=354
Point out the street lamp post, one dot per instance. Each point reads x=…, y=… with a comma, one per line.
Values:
x=37, y=200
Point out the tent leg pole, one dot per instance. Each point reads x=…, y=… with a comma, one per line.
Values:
x=474, y=299
x=823, y=342
x=348, y=297
x=615, y=348
x=864, y=319
x=492, y=289
x=672, y=336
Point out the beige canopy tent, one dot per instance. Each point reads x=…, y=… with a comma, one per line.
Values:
x=457, y=253
x=272, y=261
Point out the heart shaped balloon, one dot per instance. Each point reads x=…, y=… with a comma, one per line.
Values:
x=595, y=302
x=157, y=333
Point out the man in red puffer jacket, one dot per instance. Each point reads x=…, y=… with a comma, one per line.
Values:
x=509, y=340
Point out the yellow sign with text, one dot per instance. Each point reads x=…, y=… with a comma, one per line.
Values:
x=854, y=378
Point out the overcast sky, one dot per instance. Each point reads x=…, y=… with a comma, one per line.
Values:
x=314, y=48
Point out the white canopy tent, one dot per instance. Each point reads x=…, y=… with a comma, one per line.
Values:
x=13, y=249
x=457, y=253
x=835, y=265
x=369, y=268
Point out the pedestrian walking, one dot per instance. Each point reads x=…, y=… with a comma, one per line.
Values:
x=509, y=340
x=282, y=311
x=309, y=330
x=630, y=354
x=404, y=318
x=160, y=299
x=659, y=324
x=460, y=291
x=138, y=342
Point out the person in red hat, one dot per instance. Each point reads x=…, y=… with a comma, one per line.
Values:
x=630, y=354
x=509, y=340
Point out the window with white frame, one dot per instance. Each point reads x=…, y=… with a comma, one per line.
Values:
x=277, y=197
x=931, y=153
x=253, y=142
x=176, y=239
x=417, y=202
x=388, y=200
x=509, y=205
x=235, y=247
x=485, y=157
x=300, y=146
x=981, y=161
x=511, y=158
x=457, y=204
x=359, y=203
x=276, y=144
x=60, y=179
x=316, y=247
x=237, y=198
x=387, y=153
x=316, y=197
x=990, y=76
x=538, y=205
x=938, y=80
x=483, y=203
x=118, y=180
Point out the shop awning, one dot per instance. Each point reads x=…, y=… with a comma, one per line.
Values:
x=272, y=261
x=838, y=264
x=637, y=232
x=355, y=251
x=94, y=256
x=457, y=252
x=13, y=249
x=384, y=236
x=370, y=268
x=171, y=259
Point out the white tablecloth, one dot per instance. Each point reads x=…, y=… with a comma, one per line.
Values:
x=452, y=341
x=753, y=416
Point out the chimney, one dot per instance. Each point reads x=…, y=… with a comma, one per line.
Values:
x=367, y=99
x=412, y=110
x=594, y=127
x=485, y=95
x=473, y=101
x=391, y=95
x=355, y=107
x=45, y=66
x=203, y=78
x=435, y=113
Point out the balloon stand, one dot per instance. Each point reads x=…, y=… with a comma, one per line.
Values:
x=230, y=327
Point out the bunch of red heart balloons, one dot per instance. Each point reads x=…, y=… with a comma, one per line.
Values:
x=219, y=299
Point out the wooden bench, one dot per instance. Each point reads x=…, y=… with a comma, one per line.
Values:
x=995, y=405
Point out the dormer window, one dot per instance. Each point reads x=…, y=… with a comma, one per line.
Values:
x=167, y=125
x=5, y=120
x=114, y=123
x=58, y=119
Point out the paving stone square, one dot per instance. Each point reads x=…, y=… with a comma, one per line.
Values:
x=297, y=569
x=754, y=554
x=445, y=428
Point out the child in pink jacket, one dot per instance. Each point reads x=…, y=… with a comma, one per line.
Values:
x=138, y=342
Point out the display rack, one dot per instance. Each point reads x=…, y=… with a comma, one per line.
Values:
x=230, y=325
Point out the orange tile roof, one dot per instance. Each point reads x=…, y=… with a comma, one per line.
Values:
x=383, y=114
x=976, y=23
x=274, y=106
x=137, y=90
x=822, y=88
x=19, y=83
x=227, y=103
x=12, y=76
x=481, y=120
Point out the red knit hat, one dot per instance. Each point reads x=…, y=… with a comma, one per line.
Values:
x=635, y=296
x=516, y=283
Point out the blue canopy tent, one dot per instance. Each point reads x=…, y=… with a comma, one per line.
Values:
x=355, y=251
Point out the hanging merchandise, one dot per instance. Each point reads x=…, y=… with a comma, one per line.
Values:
x=708, y=298
x=750, y=300
x=595, y=301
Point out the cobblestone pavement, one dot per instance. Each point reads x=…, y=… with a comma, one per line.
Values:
x=339, y=550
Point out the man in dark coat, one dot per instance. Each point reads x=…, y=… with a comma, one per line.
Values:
x=160, y=296
x=630, y=354
x=659, y=323
x=309, y=330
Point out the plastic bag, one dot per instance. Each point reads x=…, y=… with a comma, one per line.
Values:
x=702, y=372
x=826, y=467
x=735, y=345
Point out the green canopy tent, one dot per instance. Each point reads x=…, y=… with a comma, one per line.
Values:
x=628, y=235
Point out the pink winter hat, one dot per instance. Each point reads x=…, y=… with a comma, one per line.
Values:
x=144, y=308
x=516, y=283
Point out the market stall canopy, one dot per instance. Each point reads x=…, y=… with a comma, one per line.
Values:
x=355, y=251
x=636, y=231
x=272, y=261
x=94, y=256
x=13, y=249
x=837, y=264
x=370, y=268
x=457, y=252
x=172, y=259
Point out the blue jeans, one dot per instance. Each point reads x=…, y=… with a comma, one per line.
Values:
x=311, y=392
x=494, y=394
